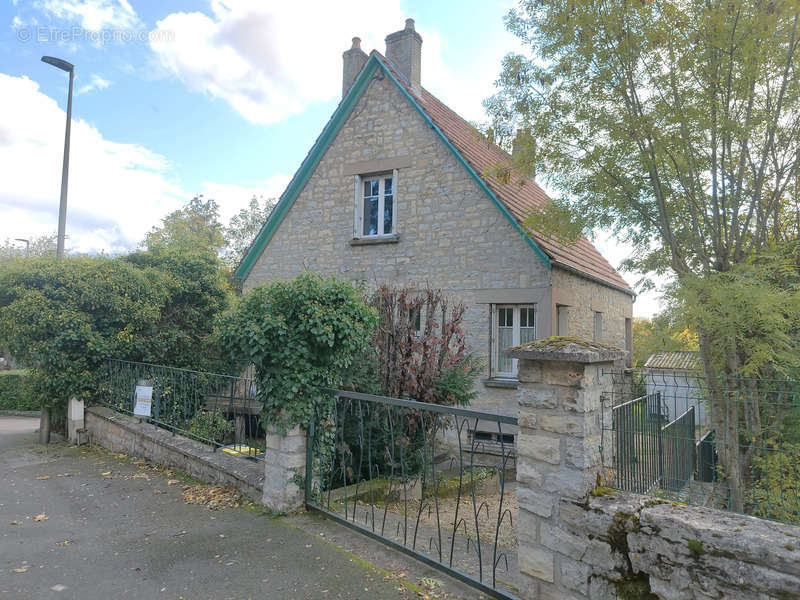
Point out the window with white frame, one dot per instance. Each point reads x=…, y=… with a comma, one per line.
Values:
x=513, y=324
x=375, y=205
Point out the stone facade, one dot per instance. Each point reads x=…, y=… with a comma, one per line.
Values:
x=449, y=234
x=583, y=297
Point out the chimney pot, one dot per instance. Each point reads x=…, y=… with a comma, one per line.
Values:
x=404, y=49
x=353, y=60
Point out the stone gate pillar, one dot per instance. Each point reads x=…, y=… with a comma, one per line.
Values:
x=285, y=470
x=558, y=456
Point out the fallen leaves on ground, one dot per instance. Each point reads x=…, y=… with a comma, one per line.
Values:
x=214, y=497
x=64, y=543
x=21, y=569
x=15, y=522
x=43, y=477
x=173, y=482
x=40, y=518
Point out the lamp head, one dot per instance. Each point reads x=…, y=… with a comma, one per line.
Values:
x=57, y=62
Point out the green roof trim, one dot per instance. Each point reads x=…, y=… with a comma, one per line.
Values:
x=478, y=179
x=321, y=145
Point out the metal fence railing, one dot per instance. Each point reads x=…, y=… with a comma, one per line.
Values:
x=637, y=427
x=219, y=410
x=732, y=444
x=432, y=481
x=678, y=461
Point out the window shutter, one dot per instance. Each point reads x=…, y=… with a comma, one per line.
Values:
x=394, y=202
x=356, y=211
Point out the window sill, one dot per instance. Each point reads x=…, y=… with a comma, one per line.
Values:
x=497, y=382
x=375, y=239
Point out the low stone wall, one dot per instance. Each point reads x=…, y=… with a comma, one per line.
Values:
x=122, y=433
x=625, y=545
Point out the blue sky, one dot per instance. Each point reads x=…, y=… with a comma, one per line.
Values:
x=222, y=98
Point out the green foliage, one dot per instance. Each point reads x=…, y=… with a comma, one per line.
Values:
x=662, y=333
x=775, y=493
x=195, y=226
x=16, y=392
x=302, y=336
x=752, y=314
x=209, y=425
x=243, y=228
x=44, y=245
x=65, y=318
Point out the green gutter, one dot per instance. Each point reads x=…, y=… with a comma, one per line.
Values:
x=323, y=141
x=306, y=169
x=478, y=179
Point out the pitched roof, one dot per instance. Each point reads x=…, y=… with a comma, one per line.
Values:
x=520, y=200
x=685, y=360
x=476, y=154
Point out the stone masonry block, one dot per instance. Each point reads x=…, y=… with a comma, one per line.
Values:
x=539, y=447
x=535, y=501
x=538, y=397
x=538, y=562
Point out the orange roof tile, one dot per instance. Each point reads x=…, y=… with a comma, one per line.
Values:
x=520, y=200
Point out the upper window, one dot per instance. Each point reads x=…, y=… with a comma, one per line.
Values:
x=375, y=212
x=514, y=325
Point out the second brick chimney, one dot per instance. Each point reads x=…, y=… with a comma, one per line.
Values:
x=404, y=49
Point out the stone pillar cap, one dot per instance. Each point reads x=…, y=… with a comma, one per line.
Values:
x=566, y=349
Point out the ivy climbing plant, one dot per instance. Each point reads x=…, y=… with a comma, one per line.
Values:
x=300, y=335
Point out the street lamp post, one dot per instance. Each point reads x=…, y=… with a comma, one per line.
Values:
x=27, y=245
x=44, y=419
x=62, y=208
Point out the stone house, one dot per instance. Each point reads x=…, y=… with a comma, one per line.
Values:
x=395, y=189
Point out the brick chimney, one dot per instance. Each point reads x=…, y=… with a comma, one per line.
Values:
x=404, y=49
x=354, y=60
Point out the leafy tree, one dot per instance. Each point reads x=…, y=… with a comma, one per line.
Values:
x=676, y=124
x=65, y=318
x=44, y=245
x=243, y=228
x=659, y=334
x=301, y=336
x=194, y=226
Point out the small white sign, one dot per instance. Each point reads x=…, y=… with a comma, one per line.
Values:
x=143, y=399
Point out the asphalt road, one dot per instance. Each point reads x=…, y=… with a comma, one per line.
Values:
x=115, y=529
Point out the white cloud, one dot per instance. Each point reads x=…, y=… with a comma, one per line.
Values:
x=93, y=14
x=269, y=60
x=116, y=191
x=97, y=83
x=232, y=198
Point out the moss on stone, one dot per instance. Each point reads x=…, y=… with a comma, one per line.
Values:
x=696, y=548
x=602, y=490
x=557, y=342
x=635, y=588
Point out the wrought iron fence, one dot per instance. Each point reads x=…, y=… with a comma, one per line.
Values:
x=219, y=410
x=679, y=435
x=433, y=481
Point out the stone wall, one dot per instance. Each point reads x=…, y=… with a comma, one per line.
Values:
x=627, y=545
x=450, y=235
x=581, y=540
x=584, y=297
x=122, y=433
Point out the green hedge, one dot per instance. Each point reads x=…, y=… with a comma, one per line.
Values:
x=16, y=392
